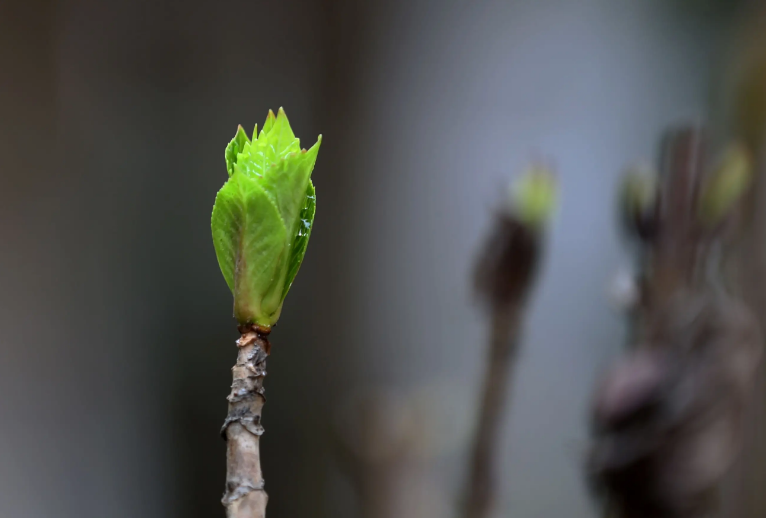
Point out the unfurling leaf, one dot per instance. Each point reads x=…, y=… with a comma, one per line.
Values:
x=263, y=216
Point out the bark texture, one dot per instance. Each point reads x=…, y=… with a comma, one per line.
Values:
x=245, y=495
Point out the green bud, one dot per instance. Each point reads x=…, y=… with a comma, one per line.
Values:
x=639, y=201
x=534, y=196
x=639, y=189
x=263, y=216
x=726, y=185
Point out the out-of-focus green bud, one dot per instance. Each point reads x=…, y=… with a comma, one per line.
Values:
x=750, y=96
x=639, y=189
x=639, y=201
x=534, y=196
x=726, y=185
x=263, y=216
x=507, y=264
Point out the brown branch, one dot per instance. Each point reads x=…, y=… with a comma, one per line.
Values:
x=674, y=255
x=245, y=495
x=373, y=451
x=504, y=277
x=668, y=417
x=502, y=356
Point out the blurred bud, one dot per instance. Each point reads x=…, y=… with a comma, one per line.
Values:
x=726, y=186
x=533, y=196
x=750, y=92
x=509, y=260
x=639, y=202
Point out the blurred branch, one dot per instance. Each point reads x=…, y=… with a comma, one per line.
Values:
x=503, y=345
x=370, y=448
x=668, y=417
x=745, y=496
x=378, y=442
x=504, y=276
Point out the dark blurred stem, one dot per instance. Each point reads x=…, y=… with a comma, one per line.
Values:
x=245, y=496
x=502, y=356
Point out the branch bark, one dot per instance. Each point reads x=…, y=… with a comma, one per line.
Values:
x=245, y=495
x=675, y=254
x=668, y=417
x=504, y=278
x=502, y=359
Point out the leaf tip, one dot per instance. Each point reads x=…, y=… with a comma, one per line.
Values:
x=241, y=136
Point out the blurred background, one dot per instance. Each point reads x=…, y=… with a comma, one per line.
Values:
x=116, y=334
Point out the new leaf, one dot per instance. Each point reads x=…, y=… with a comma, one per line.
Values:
x=263, y=216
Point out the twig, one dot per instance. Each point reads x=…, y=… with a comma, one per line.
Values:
x=502, y=357
x=503, y=278
x=245, y=495
x=681, y=393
